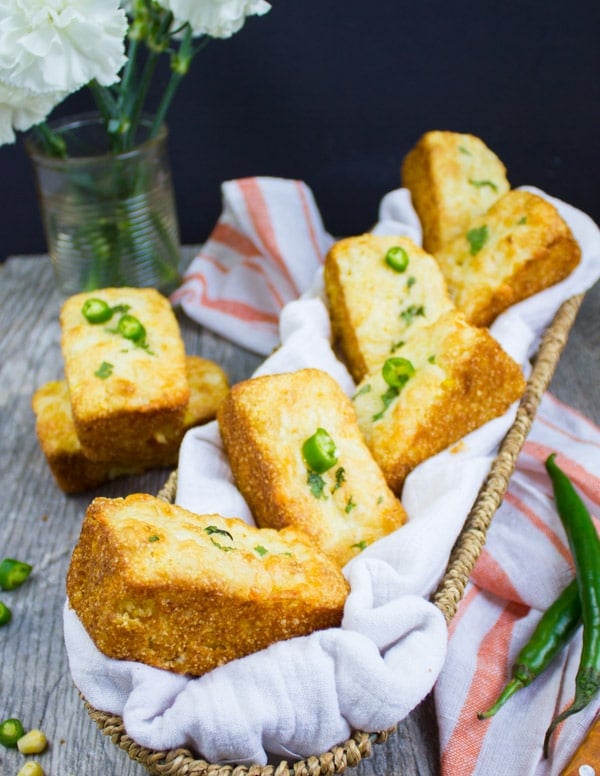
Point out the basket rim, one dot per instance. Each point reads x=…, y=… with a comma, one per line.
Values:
x=447, y=596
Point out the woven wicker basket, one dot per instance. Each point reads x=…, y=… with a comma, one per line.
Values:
x=181, y=762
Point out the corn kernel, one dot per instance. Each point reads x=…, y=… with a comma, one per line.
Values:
x=31, y=768
x=32, y=742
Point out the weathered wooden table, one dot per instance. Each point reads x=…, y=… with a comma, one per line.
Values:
x=39, y=524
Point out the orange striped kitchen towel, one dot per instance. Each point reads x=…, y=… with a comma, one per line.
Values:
x=264, y=252
x=525, y=564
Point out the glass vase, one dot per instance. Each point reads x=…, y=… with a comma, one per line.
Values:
x=109, y=218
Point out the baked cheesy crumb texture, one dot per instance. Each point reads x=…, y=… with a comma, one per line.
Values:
x=321, y=472
x=264, y=423
x=187, y=592
x=74, y=472
x=128, y=397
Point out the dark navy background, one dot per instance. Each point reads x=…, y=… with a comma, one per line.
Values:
x=335, y=92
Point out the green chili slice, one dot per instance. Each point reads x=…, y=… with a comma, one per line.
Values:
x=131, y=328
x=320, y=451
x=5, y=614
x=554, y=629
x=585, y=549
x=397, y=371
x=11, y=730
x=13, y=573
x=397, y=258
x=96, y=310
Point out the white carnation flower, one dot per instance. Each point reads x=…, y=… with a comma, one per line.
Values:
x=60, y=45
x=217, y=18
x=20, y=109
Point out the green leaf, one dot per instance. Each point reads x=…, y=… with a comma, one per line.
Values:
x=104, y=370
x=477, y=238
x=365, y=389
x=411, y=313
x=387, y=398
x=316, y=484
x=480, y=184
x=340, y=478
x=212, y=529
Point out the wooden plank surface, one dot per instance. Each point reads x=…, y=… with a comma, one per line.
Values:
x=40, y=524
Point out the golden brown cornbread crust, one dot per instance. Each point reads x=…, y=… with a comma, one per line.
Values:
x=529, y=247
x=73, y=471
x=155, y=583
x=452, y=178
x=367, y=298
x=264, y=422
x=469, y=381
x=139, y=408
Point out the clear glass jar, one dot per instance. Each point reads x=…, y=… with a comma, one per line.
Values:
x=109, y=218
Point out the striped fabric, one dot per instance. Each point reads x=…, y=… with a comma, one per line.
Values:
x=525, y=564
x=263, y=252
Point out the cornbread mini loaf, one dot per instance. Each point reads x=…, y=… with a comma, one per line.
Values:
x=449, y=379
x=519, y=247
x=125, y=368
x=155, y=583
x=299, y=459
x=73, y=472
x=380, y=290
x=452, y=178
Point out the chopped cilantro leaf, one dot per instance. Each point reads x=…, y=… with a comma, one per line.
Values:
x=411, y=281
x=387, y=398
x=104, y=370
x=361, y=545
x=396, y=345
x=349, y=506
x=522, y=220
x=153, y=538
x=316, y=483
x=365, y=389
x=340, y=478
x=261, y=550
x=431, y=359
x=480, y=184
x=464, y=150
x=411, y=313
x=220, y=546
x=212, y=529
x=477, y=238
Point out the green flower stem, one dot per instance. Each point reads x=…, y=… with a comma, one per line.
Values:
x=134, y=108
x=53, y=143
x=105, y=102
x=125, y=84
x=180, y=65
x=165, y=102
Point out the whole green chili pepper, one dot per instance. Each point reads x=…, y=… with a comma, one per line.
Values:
x=585, y=549
x=556, y=626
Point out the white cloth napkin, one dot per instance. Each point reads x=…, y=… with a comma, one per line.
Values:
x=303, y=696
x=262, y=254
